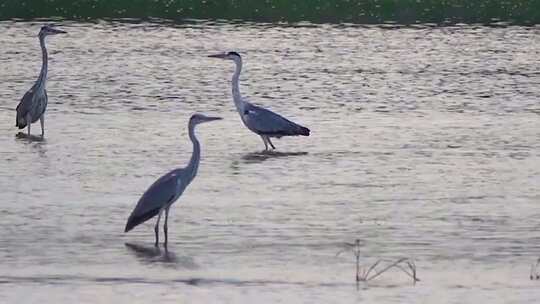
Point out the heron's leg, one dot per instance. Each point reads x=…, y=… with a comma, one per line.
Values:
x=265, y=143
x=28, y=122
x=42, y=121
x=270, y=142
x=156, y=228
x=165, y=226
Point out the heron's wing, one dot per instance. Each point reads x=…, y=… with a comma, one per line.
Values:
x=161, y=193
x=266, y=122
x=25, y=106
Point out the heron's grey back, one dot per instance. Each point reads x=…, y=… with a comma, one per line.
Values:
x=266, y=122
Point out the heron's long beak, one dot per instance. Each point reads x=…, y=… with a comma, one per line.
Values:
x=221, y=56
x=212, y=118
x=57, y=31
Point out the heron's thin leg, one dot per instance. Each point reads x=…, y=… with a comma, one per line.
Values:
x=265, y=143
x=270, y=142
x=165, y=226
x=28, y=122
x=42, y=121
x=156, y=228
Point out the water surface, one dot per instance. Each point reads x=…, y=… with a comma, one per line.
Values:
x=425, y=143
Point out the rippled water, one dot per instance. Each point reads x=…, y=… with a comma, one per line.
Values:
x=425, y=144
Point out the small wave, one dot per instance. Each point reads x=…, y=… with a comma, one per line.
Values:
x=195, y=281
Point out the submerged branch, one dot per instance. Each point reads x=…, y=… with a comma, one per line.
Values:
x=365, y=274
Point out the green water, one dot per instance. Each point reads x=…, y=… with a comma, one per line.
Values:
x=317, y=11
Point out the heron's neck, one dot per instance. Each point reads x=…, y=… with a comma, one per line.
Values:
x=238, y=102
x=43, y=74
x=196, y=156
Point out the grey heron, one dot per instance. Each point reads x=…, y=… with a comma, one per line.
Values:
x=34, y=102
x=259, y=120
x=168, y=188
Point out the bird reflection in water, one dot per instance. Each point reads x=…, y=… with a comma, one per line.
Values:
x=152, y=254
x=29, y=137
x=259, y=157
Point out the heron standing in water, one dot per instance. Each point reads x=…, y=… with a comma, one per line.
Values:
x=259, y=120
x=34, y=102
x=168, y=188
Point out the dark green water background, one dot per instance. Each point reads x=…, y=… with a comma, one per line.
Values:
x=316, y=11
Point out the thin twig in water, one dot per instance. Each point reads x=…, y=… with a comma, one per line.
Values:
x=534, y=270
x=364, y=274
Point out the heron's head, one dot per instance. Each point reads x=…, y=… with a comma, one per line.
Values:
x=234, y=56
x=201, y=118
x=48, y=30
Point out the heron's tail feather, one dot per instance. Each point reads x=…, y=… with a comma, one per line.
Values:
x=136, y=219
x=292, y=130
x=303, y=131
x=20, y=122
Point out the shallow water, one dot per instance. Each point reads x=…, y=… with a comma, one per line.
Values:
x=425, y=144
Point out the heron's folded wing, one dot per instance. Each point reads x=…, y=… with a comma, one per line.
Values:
x=23, y=108
x=25, y=105
x=267, y=122
x=161, y=192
